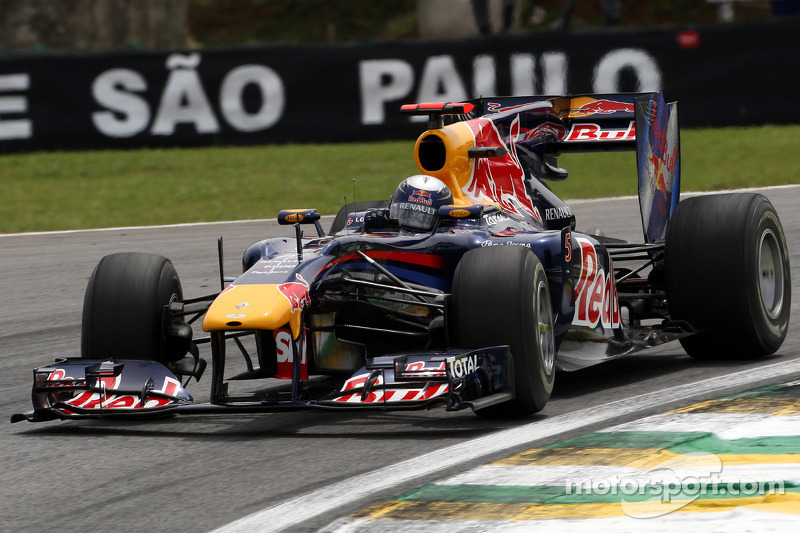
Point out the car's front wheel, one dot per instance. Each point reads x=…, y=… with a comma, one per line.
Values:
x=727, y=273
x=500, y=296
x=125, y=310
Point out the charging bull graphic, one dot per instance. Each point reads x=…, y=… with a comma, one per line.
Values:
x=601, y=107
x=500, y=179
x=658, y=159
x=296, y=293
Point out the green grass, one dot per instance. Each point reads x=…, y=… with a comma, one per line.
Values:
x=71, y=190
x=711, y=159
x=76, y=190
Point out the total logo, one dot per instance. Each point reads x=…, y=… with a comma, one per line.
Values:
x=596, y=299
x=495, y=218
x=462, y=365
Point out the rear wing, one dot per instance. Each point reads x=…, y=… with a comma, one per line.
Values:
x=563, y=124
x=505, y=129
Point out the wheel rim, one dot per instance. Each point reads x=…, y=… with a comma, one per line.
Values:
x=770, y=273
x=545, y=327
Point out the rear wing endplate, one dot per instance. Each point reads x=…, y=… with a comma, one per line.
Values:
x=658, y=161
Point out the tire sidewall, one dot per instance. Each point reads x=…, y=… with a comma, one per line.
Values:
x=713, y=275
x=493, y=303
x=537, y=370
x=770, y=331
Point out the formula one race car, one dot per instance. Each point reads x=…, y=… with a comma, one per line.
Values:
x=469, y=288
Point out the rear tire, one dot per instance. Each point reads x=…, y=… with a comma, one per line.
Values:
x=500, y=296
x=727, y=273
x=124, y=313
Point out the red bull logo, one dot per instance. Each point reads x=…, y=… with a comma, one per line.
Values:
x=596, y=301
x=594, y=132
x=500, y=179
x=556, y=131
x=296, y=293
x=420, y=197
x=107, y=399
x=602, y=107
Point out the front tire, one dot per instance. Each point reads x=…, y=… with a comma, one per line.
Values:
x=501, y=296
x=727, y=273
x=124, y=310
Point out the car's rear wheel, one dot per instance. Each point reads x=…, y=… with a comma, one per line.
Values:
x=727, y=273
x=125, y=310
x=500, y=296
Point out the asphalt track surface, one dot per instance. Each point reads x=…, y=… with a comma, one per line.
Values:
x=204, y=472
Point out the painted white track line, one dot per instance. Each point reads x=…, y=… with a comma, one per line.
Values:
x=327, y=499
x=130, y=228
x=740, y=520
x=330, y=217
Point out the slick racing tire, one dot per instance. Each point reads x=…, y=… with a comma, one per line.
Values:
x=125, y=309
x=500, y=296
x=727, y=274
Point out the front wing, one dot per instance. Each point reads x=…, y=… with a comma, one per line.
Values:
x=459, y=379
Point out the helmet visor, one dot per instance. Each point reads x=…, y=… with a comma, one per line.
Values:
x=411, y=215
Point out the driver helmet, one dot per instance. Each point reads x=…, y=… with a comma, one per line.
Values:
x=416, y=202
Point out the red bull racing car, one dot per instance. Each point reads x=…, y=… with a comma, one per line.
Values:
x=469, y=288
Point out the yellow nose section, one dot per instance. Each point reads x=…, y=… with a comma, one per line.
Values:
x=266, y=307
